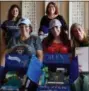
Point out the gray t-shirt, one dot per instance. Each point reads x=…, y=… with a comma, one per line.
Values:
x=33, y=43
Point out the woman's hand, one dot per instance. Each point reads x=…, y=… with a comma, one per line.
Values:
x=41, y=33
x=80, y=68
x=40, y=55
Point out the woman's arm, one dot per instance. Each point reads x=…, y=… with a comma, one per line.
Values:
x=3, y=57
x=3, y=43
x=40, y=32
x=40, y=55
x=39, y=49
x=5, y=51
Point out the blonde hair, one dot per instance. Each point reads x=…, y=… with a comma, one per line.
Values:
x=74, y=41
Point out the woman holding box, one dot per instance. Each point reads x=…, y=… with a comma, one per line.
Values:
x=79, y=39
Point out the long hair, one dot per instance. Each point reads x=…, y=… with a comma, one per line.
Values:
x=10, y=16
x=63, y=37
x=56, y=8
x=75, y=42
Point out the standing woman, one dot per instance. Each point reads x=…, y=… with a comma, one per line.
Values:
x=10, y=26
x=79, y=39
x=51, y=13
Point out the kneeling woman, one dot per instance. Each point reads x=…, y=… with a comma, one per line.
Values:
x=79, y=39
x=33, y=42
x=57, y=40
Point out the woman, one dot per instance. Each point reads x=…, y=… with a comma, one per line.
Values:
x=51, y=13
x=33, y=43
x=78, y=36
x=57, y=40
x=27, y=39
x=10, y=26
x=79, y=39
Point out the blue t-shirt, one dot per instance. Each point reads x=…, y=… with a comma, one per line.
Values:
x=11, y=29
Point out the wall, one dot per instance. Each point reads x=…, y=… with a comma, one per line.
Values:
x=86, y=24
x=40, y=12
x=64, y=10
x=5, y=5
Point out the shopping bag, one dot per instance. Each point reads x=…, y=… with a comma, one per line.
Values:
x=15, y=62
x=34, y=69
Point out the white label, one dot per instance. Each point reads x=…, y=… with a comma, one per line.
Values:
x=83, y=59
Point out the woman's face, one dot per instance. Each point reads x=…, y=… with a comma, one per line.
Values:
x=15, y=12
x=25, y=30
x=51, y=9
x=78, y=33
x=56, y=31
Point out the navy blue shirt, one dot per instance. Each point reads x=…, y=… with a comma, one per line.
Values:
x=10, y=29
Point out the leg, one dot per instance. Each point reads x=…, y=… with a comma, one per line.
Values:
x=1, y=74
x=30, y=85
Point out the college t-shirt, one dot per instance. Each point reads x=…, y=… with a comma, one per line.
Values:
x=33, y=43
x=11, y=29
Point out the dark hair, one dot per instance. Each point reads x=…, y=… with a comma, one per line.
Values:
x=30, y=26
x=63, y=37
x=10, y=16
x=56, y=8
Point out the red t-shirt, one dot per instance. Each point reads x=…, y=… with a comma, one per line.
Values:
x=55, y=48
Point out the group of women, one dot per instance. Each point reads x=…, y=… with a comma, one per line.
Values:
x=17, y=30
